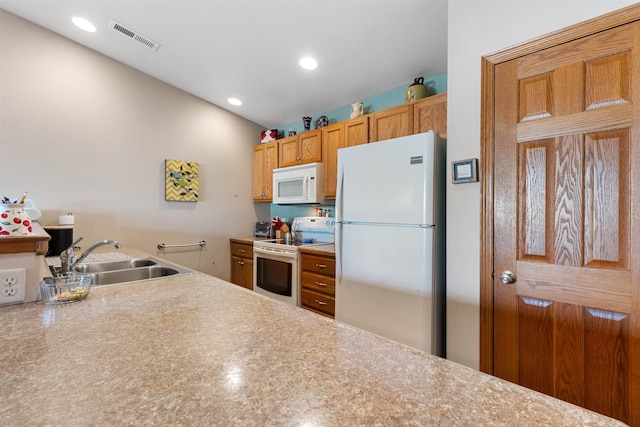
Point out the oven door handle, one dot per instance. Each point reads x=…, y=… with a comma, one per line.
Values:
x=273, y=253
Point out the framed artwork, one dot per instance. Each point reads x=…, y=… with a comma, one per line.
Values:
x=181, y=181
x=464, y=171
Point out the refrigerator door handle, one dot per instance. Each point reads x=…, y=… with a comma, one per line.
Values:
x=339, y=191
x=338, y=230
x=338, y=246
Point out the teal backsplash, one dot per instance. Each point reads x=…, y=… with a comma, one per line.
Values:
x=292, y=211
x=435, y=85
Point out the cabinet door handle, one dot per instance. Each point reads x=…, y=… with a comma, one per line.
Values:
x=321, y=284
x=320, y=302
x=321, y=265
x=240, y=262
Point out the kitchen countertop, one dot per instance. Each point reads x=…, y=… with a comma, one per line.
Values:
x=328, y=249
x=37, y=242
x=197, y=350
x=247, y=239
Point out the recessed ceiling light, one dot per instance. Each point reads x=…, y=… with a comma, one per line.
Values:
x=308, y=63
x=84, y=24
x=234, y=101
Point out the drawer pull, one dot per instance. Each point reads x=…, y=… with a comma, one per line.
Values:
x=240, y=262
x=242, y=250
x=321, y=302
x=321, y=265
x=321, y=284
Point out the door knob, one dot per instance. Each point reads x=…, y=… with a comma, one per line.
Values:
x=508, y=277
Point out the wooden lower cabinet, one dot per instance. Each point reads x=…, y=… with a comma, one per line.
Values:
x=318, y=283
x=242, y=264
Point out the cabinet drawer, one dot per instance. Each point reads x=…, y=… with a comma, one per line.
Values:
x=319, y=264
x=242, y=250
x=319, y=283
x=318, y=302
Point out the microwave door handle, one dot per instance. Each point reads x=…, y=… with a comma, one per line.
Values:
x=305, y=187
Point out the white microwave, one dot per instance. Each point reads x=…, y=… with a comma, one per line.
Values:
x=301, y=184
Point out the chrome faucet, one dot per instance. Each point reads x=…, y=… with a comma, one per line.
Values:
x=67, y=257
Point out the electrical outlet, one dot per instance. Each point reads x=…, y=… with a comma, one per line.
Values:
x=12, y=286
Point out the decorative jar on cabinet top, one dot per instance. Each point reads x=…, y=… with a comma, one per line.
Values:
x=416, y=91
x=356, y=110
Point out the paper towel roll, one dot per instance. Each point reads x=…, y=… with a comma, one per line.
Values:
x=66, y=219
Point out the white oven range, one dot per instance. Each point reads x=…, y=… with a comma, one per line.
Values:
x=276, y=265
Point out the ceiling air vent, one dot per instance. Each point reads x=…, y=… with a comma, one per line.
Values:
x=134, y=35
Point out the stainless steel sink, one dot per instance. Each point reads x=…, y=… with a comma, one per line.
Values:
x=132, y=275
x=97, y=267
x=129, y=270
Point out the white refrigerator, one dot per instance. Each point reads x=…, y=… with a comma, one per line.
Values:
x=390, y=241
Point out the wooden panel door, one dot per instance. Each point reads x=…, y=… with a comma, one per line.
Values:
x=566, y=199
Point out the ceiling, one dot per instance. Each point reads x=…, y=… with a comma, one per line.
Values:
x=249, y=49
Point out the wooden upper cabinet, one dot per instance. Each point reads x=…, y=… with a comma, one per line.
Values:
x=322, y=145
x=265, y=160
x=356, y=131
x=300, y=149
x=391, y=123
x=431, y=114
x=332, y=141
x=310, y=146
x=344, y=134
x=288, y=151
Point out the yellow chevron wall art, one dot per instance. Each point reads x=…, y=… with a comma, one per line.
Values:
x=181, y=181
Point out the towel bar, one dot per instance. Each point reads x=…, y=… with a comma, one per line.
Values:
x=163, y=246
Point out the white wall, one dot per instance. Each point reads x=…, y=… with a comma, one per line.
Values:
x=478, y=28
x=86, y=134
